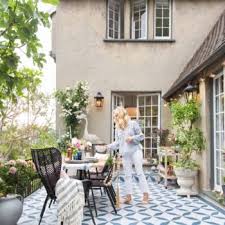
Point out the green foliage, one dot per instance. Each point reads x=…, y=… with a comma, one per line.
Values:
x=63, y=142
x=109, y=161
x=53, y=2
x=189, y=139
x=46, y=138
x=15, y=176
x=73, y=101
x=17, y=136
x=184, y=114
x=19, y=22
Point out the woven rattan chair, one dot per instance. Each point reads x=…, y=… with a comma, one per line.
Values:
x=48, y=163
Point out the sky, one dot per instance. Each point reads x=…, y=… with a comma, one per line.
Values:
x=49, y=70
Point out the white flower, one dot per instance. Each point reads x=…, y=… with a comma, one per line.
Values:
x=67, y=88
x=75, y=104
x=89, y=143
x=74, y=141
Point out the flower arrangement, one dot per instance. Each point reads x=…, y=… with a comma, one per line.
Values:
x=73, y=101
x=77, y=145
x=15, y=176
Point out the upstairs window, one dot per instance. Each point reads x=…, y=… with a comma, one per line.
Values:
x=115, y=19
x=162, y=19
x=139, y=19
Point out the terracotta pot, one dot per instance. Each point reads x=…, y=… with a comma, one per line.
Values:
x=11, y=208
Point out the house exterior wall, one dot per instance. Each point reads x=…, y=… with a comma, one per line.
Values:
x=81, y=54
x=206, y=123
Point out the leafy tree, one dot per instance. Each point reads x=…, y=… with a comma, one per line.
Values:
x=53, y=2
x=18, y=135
x=19, y=20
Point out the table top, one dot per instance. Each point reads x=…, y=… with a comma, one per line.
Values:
x=86, y=165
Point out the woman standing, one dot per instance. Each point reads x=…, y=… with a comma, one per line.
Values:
x=128, y=135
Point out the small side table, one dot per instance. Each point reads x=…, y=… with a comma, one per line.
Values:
x=163, y=171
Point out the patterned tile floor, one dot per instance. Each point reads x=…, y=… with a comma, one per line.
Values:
x=164, y=208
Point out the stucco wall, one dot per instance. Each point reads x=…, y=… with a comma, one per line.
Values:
x=82, y=54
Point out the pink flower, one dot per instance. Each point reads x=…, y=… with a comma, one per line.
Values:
x=12, y=170
x=11, y=163
x=74, y=141
x=77, y=145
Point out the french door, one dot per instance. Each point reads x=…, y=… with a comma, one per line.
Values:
x=149, y=118
x=219, y=147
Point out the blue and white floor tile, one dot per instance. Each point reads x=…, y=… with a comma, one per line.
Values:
x=165, y=208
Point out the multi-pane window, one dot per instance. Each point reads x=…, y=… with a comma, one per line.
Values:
x=162, y=19
x=139, y=19
x=115, y=19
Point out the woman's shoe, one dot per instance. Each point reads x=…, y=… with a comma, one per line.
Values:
x=145, y=198
x=127, y=200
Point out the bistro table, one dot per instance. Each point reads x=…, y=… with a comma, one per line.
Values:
x=81, y=167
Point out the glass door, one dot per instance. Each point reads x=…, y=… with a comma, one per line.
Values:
x=117, y=100
x=149, y=118
x=219, y=147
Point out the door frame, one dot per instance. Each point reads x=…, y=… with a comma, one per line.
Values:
x=137, y=93
x=159, y=112
x=217, y=187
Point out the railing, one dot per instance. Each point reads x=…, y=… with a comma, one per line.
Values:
x=33, y=186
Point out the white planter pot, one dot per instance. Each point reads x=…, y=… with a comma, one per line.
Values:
x=186, y=179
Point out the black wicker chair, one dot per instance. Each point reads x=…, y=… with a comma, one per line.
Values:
x=106, y=183
x=48, y=163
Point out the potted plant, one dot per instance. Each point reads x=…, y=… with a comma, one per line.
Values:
x=15, y=176
x=189, y=140
x=223, y=186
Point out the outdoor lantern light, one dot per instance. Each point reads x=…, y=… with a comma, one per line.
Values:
x=99, y=99
x=191, y=92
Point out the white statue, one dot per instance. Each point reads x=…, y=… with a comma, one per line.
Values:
x=94, y=139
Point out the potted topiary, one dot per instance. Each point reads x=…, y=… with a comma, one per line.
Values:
x=189, y=140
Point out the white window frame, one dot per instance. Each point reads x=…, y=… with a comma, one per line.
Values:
x=119, y=21
x=170, y=22
x=117, y=100
x=158, y=116
x=220, y=132
x=133, y=24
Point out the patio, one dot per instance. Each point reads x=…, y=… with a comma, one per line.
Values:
x=164, y=208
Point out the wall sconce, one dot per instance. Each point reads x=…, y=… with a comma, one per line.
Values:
x=191, y=92
x=99, y=100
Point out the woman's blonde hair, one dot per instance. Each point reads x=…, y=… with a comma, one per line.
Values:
x=121, y=117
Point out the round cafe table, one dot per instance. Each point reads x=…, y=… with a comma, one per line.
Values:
x=77, y=167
